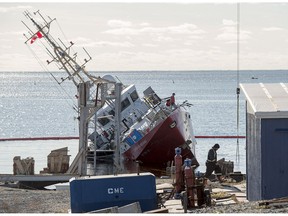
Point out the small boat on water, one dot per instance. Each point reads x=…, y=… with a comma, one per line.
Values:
x=146, y=130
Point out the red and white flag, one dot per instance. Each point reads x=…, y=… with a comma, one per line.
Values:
x=37, y=35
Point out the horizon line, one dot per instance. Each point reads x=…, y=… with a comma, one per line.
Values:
x=208, y=70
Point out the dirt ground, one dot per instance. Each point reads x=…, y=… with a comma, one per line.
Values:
x=13, y=200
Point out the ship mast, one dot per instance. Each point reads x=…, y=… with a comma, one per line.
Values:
x=92, y=91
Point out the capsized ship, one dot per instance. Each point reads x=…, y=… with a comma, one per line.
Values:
x=113, y=118
x=150, y=128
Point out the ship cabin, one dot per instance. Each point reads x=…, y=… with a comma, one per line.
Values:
x=132, y=110
x=135, y=119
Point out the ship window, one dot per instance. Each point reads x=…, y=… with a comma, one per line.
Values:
x=124, y=104
x=103, y=121
x=134, y=96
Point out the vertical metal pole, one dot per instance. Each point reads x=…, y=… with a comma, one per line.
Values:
x=83, y=126
x=95, y=143
x=117, y=154
x=238, y=89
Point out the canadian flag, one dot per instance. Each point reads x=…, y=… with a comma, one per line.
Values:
x=37, y=35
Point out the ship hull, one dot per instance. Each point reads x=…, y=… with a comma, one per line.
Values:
x=157, y=148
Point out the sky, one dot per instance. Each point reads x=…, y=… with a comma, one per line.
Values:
x=137, y=36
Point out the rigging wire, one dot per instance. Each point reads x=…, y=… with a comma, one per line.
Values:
x=78, y=59
x=74, y=106
x=238, y=89
x=66, y=38
x=45, y=69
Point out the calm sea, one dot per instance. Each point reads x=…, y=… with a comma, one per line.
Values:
x=34, y=105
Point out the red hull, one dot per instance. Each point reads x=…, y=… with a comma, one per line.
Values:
x=158, y=146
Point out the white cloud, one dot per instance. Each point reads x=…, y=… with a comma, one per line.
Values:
x=190, y=43
x=145, y=24
x=194, y=37
x=186, y=28
x=81, y=39
x=231, y=37
x=28, y=63
x=149, y=45
x=129, y=39
x=122, y=31
x=226, y=22
x=161, y=38
x=245, y=35
x=227, y=36
x=11, y=9
x=81, y=42
x=119, y=23
x=256, y=59
x=229, y=33
x=107, y=43
x=11, y=33
x=272, y=29
x=5, y=46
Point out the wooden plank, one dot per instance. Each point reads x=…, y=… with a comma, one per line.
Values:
x=23, y=166
x=174, y=206
x=164, y=186
x=73, y=167
x=39, y=177
x=162, y=210
x=131, y=208
x=19, y=169
x=113, y=209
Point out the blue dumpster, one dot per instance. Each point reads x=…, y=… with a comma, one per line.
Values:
x=98, y=192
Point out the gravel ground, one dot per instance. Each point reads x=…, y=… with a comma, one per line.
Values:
x=14, y=200
x=250, y=207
